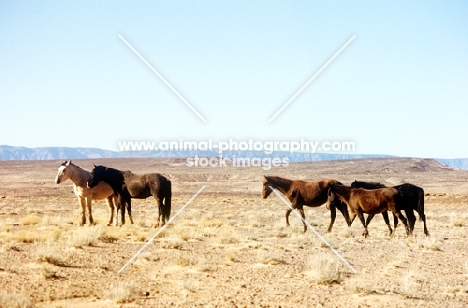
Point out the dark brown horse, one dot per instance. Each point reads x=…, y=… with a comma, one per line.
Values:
x=127, y=185
x=360, y=200
x=302, y=193
x=413, y=197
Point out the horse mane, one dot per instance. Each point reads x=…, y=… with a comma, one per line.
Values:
x=69, y=162
x=367, y=185
x=278, y=179
x=112, y=176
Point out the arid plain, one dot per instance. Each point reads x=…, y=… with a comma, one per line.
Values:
x=229, y=247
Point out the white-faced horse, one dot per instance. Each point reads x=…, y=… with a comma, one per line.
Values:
x=85, y=195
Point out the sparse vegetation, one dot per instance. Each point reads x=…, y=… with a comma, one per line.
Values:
x=27, y=236
x=51, y=257
x=87, y=236
x=182, y=261
x=46, y=270
x=171, y=243
x=429, y=243
x=13, y=300
x=30, y=220
x=229, y=246
x=214, y=222
x=124, y=292
x=324, y=269
x=270, y=258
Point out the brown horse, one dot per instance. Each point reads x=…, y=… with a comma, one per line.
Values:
x=127, y=185
x=85, y=195
x=301, y=193
x=360, y=200
x=374, y=185
x=413, y=197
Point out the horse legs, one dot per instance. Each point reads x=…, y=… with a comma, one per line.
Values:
x=122, y=202
x=411, y=220
x=110, y=206
x=351, y=218
x=423, y=218
x=387, y=221
x=333, y=216
x=400, y=216
x=161, y=216
x=129, y=209
x=369, y=218
x=82, y=202
x=395, y=222
x=344, y=211
x=115, y=200
x=89, y=202
x=301, y=210
x=288, y=211
x=361, y=218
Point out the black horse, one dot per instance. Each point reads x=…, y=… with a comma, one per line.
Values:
x=127, y=185
x=411, y=194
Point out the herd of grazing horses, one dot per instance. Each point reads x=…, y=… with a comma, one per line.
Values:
x=119, y=187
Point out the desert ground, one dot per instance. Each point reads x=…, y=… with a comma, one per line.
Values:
x=229, y=247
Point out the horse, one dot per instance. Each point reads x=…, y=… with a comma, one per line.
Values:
x=374, y=185
x=412, y=194
x=127, y=185
x=85, y=195
x=372, y=202
x=301, y=193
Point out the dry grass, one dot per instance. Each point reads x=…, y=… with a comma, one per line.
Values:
x=191, y=285
x=123, y=292
x=28, y=236
x=270, y=258
x=86, y=236
x=429, y=243
x=30, y=220
x=49, y=255
x=182, y=261
x=214, y=222
x=8, y=300
x=46, y=270
x=456, y=219
x=228, y=236
x=324, y=269
x=171, y=243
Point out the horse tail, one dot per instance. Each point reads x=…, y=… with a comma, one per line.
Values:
x=421, y=204
x=167, y=199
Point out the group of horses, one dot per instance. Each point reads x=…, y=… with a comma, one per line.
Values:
x=119, y=187
x=361, y=198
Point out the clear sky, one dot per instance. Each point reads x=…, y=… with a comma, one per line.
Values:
x=400, y=87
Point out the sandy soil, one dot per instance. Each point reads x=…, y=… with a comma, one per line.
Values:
x=229, y=248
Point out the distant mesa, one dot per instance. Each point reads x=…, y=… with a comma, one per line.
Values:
x=52, y=153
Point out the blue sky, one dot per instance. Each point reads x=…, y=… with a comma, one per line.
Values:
x=400, y=87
